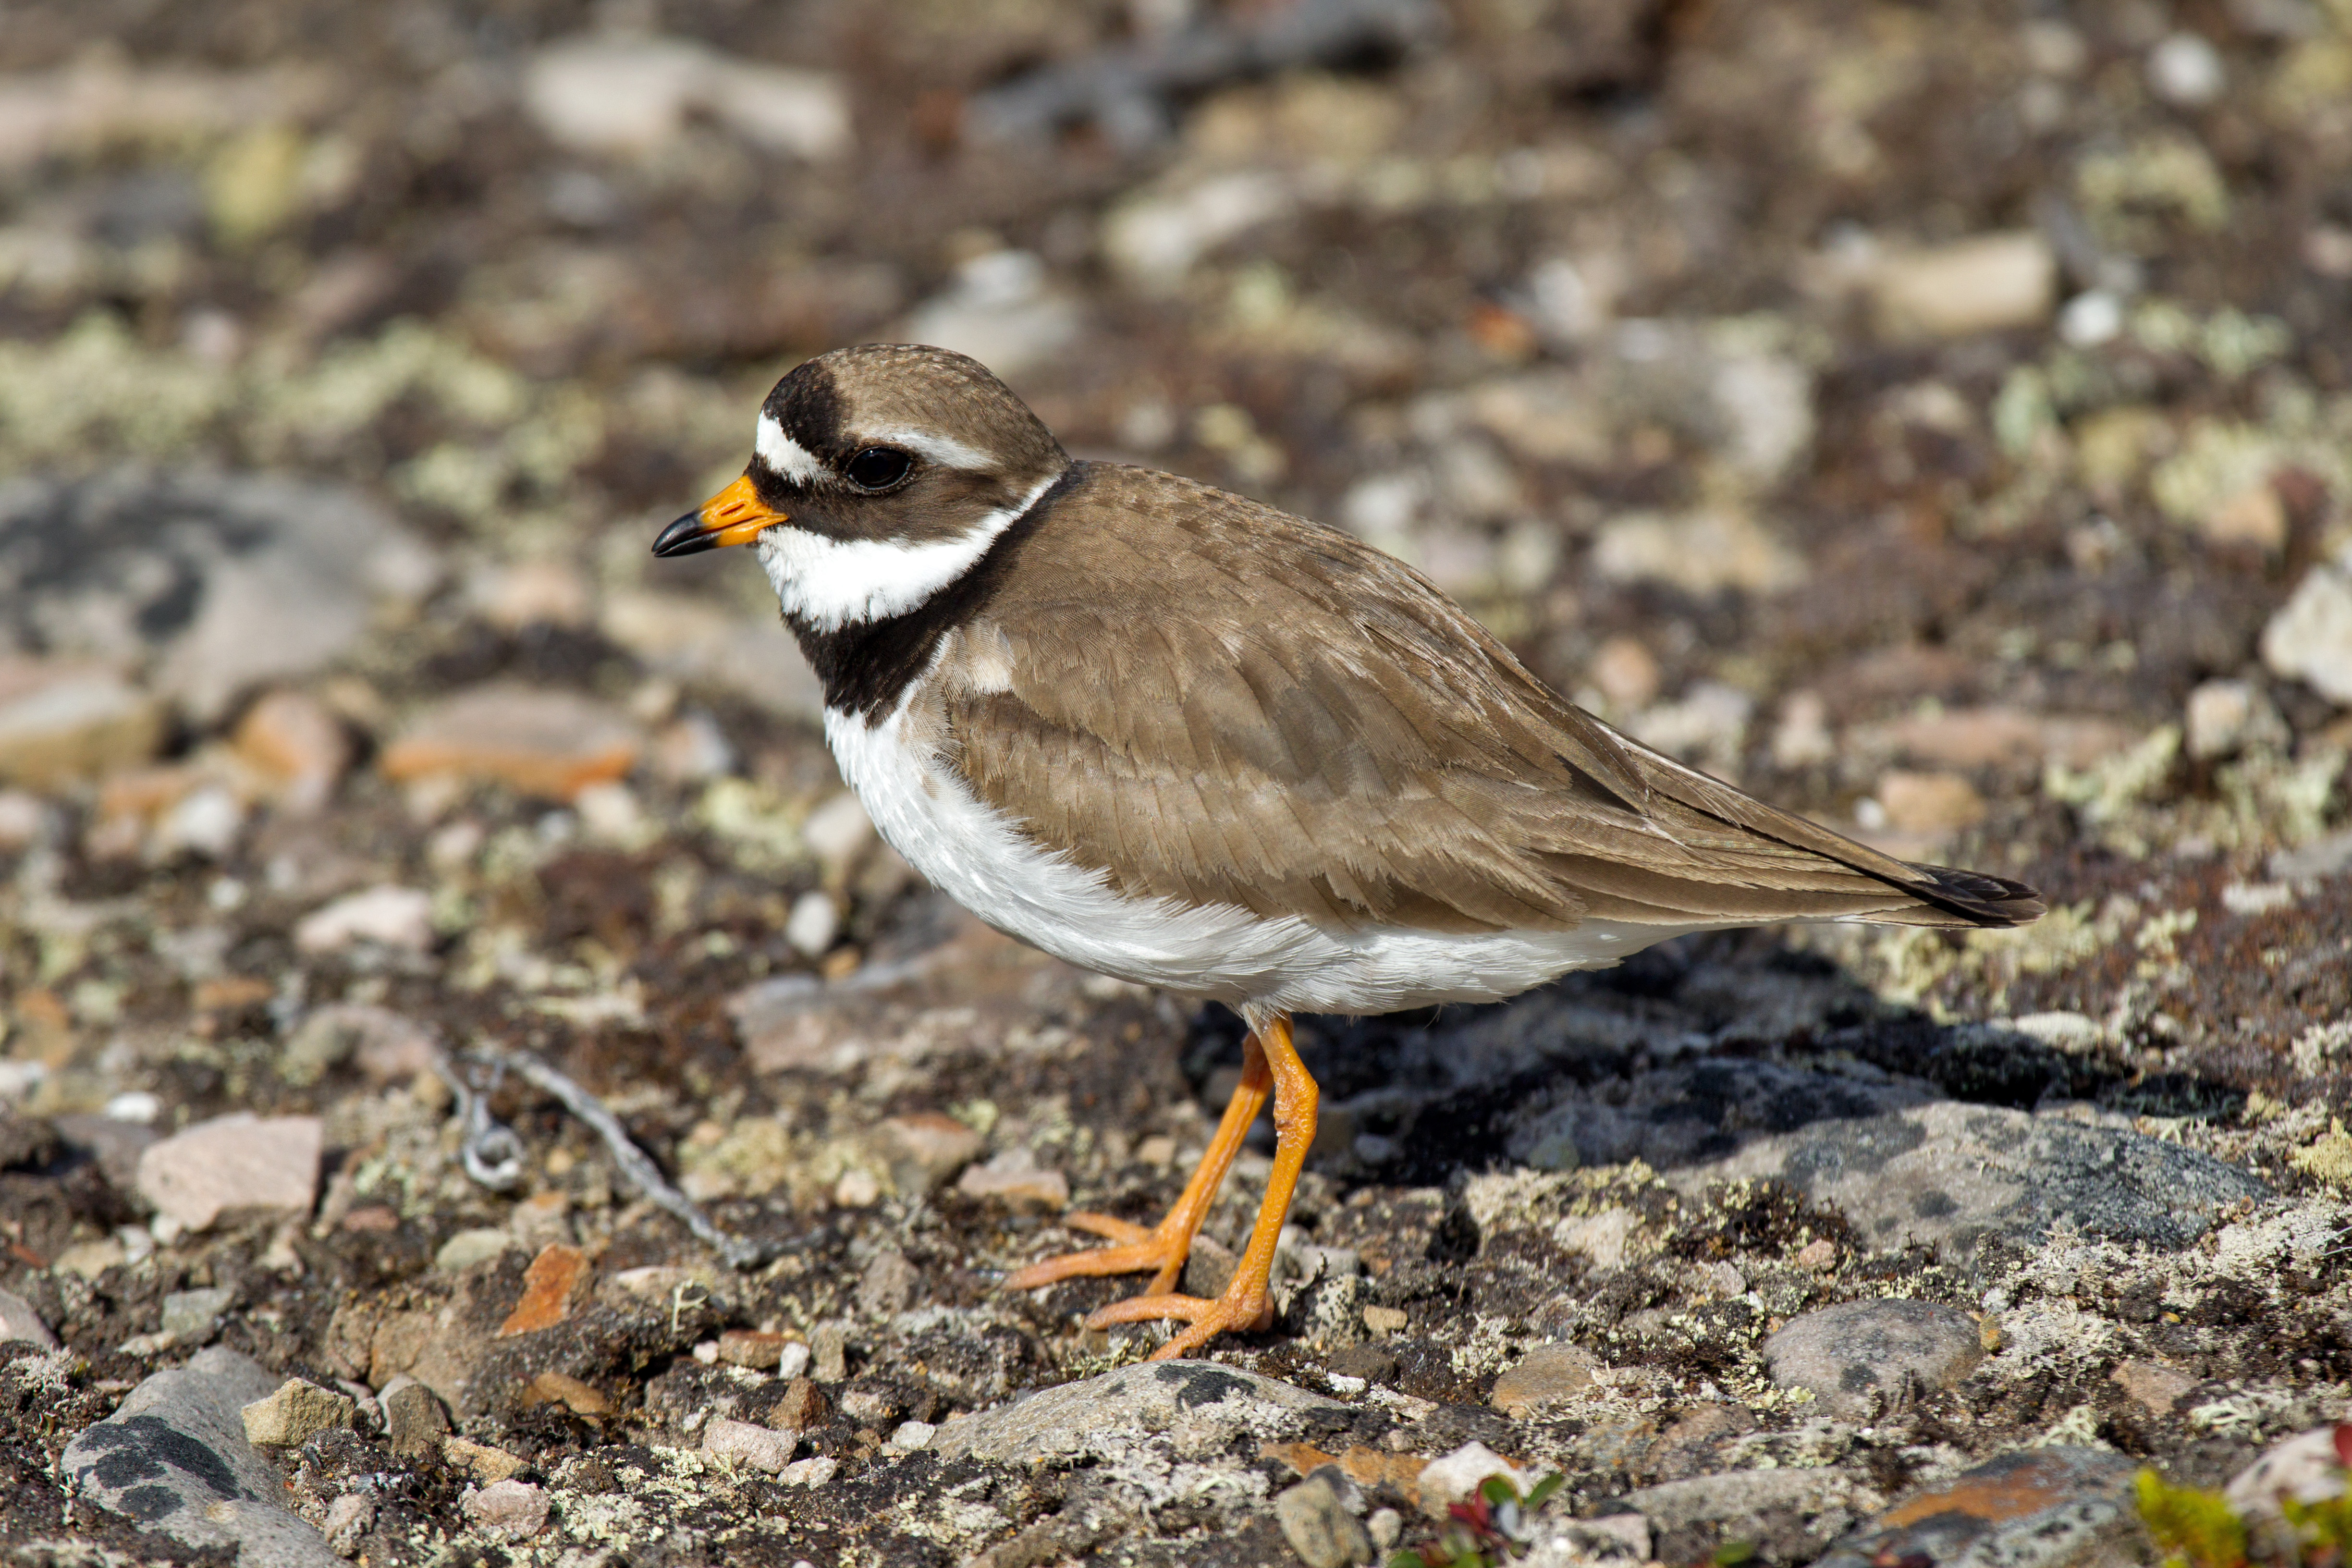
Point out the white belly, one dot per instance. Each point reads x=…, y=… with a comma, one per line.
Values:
x=977, y=858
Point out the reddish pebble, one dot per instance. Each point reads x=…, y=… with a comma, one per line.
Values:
x=547, y=1287
x=372, y=1217
x=752, y=1348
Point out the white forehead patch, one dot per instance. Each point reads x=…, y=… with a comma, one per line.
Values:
x=828, y=583
x=785, y=457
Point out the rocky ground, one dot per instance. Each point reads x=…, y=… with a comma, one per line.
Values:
x=1933, y=416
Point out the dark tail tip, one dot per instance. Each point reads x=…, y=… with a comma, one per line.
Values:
x=1979, y=899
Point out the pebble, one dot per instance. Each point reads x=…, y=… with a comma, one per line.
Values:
x=829, y=1347
x=752, y=1348
x=468, y=1247
x=694, y=640
x=515, y=1509
x=2307, y=1467
x=1457, y=1477
x=760, y=1447
x=2159, y=1389
x=928, y=1149
x=1386, y=1319
x=888, y=1284
x=1155, y=240
x=1949, y=1174
x=802, y=1408
x=549, y=1285
x=1013, y=1176
x=233, y=1163
x=414, y=1420
x=1111, y=1413
x=910, y=1436
x=385, y=915
x=1000, y=310
x=480, y=1460
x=189, y=1317
x=620, y=96
x=1700, y=553
x=1626, y=673
x=837, y=833
x=290, y=740
x=2310, y=638
x=349, y=1517
x=545, y=743
x=1861, y=1359
x=1687, y=1519
x=814, y=1474
x=62, y=721
x=2224, y=717
x=175, y=1456
x=2037, y=1508
x=1546, y=1376
x=563, y=1388
x=1319, y=1526
x=295, y=1413
x=1988, y=283
x=813, y=922
x=19, y=1322
x=2186, y=71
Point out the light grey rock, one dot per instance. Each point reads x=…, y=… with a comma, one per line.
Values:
x=175, y=1456
x=215, y=583
x=1315, y=1520
x=1860, y=1358
x=2310, y=638
x=1198, y=1404
x=414, y=1420
x=1547, y=1376
x=62, y=719
x=233, y=1162
x=888, y=1283
x=741, y=1441
x=1949, y=1174
x=2038, y=1508
x=349, y=1517
x=513, y=1509
x=1788, y=1514
x=191, y=1316
x=19, y=1322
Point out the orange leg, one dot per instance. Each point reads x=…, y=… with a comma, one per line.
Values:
x=1165, y=1247
x=1245, y=1303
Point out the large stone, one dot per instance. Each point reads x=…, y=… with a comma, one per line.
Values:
x=61, y=720
x=1862, y=1358
x=2310, y=638
x=175, y=1456
x=549, y=743
x=233, y=1162
x=1198, y=1404
x=1949, y=1174
x=215, y=583
x=2040, y=1508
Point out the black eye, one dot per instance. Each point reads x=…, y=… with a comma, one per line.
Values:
x=877, y=467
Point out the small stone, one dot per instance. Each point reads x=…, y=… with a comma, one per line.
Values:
x=1859, y=1357
x=563, y=1388
x=19, y=1322
x=837, y=833
x=2308, y=1466
x=1369, y=1363
x=928, y=1149
x=1319, y=1526
x=1014, y=1177
x=550, y=744
x=1626, y=673
x=290, y=740
x=480, y=1460
x=2036, y=1508
x=815, y=921
x=758, y=1447
x=857, y=1189
x=1386, y=1319
x=1702, y=553
x=1987, y=284
x=386, y=915
x=2224, y=717
x=1929, y=803
x=62, y=721
x=2158, y=1388
x=2310, y=638
x=548, y=1287
x=630, y=96
x=829, y=1346
x=1801, y=738
x=1817, y=1256
x=349, y=1517
x=2254, y=516
x=414, y=1420
x=887, y=1285
x=515, y=1509
x=233, y=1163
x=89, y=1259
x=2186, y=71
x=752, y=1348
x=1546, y=1377
x=1457, y=1477
x=802, y=1408
x=298, y=1412
x=468, y=1247
x=814, y=1474
x=910, y=1435
x=191, y=1316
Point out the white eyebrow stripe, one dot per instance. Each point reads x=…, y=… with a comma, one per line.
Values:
x=945, y=450
x=785, y=457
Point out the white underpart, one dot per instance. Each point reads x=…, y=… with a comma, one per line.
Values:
x=975, y=856
x=785, y=457
x=828, y=583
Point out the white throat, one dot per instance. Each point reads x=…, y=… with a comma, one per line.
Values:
x=828, y=583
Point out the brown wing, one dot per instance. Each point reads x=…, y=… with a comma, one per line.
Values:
x=1218, y=703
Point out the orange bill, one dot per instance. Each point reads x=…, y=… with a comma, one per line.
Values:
x=736, y=515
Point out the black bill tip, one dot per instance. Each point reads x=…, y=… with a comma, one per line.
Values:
x=689, y=535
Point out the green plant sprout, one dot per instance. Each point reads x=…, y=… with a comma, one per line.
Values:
x=2195, y=1526
x=1492, y=1528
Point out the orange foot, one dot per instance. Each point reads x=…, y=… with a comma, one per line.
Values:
x=1244, y=1305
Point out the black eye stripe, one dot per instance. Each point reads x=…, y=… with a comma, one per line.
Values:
x=876, y=467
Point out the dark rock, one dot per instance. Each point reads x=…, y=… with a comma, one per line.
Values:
x=1862, y=1358
x=2041, y=1507
x=1316, y=1523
